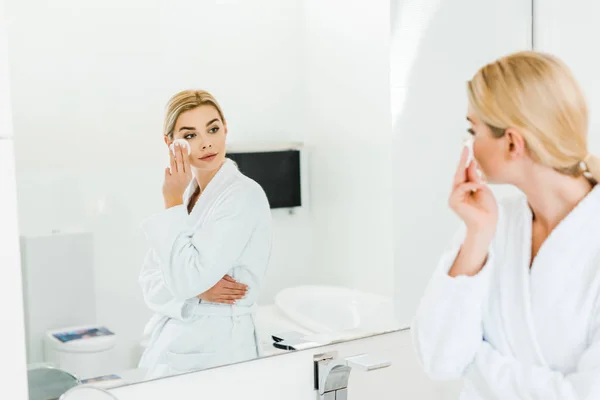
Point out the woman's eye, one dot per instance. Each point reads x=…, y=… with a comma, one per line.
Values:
x=189, y=136
x=471, y=131
x=214, y=130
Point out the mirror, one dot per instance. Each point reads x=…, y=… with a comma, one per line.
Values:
x=127, y=258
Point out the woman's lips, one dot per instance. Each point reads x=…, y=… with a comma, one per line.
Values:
x=209, y=157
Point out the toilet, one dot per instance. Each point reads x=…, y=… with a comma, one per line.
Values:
x=84, y=351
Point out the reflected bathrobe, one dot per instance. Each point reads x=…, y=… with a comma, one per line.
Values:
x=513, y=332
x=229, y=231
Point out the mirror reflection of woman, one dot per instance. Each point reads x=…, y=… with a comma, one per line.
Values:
x=209, y=248
x=514, y=306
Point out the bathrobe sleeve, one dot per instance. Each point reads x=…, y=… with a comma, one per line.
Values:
x=496, y=376
x=156, y=294
x=448, y=327
x=191, y=262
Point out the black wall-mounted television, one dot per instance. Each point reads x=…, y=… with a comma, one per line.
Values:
x=278, y=172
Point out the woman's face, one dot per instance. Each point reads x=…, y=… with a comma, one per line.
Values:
x=205, y=132
x=488, y=151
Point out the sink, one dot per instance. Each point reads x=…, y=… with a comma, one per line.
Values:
x=334, y=309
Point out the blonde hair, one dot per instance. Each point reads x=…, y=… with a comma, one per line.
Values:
x=536, y=94
x=185, y=101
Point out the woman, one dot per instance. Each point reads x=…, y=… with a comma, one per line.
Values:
x=215, y=232
x=514, y=306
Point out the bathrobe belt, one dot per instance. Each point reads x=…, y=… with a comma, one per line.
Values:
x=216, y=310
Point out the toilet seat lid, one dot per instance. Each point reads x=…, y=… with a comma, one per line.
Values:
x=81, y=339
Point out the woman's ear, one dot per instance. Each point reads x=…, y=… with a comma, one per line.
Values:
x=516, y=143
x=167, y=140
x=225, y=127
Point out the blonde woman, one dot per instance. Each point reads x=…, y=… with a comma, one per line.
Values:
x=210, y=244
x=514, y=306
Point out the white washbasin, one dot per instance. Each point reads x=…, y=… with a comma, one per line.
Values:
x=332, y=309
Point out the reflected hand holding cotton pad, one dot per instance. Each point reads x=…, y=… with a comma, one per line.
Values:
x=181, y=142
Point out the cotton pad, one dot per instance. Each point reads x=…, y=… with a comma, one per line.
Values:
x=183, y=143
x=468, y=143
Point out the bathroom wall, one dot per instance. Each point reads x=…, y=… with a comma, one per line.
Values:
x=437, y=45
x=567, y=30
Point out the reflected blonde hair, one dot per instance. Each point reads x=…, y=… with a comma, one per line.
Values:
x=537, y=94
x=185, y=101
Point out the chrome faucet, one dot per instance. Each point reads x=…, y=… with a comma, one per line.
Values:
x=332, y=373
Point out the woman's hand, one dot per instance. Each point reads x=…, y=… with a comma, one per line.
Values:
x=227, y=291
x=177, y=177
x=475, y=204
x=472, y=200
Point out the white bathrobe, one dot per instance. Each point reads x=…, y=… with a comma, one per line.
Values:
x=229, y=231
x=516, y=333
